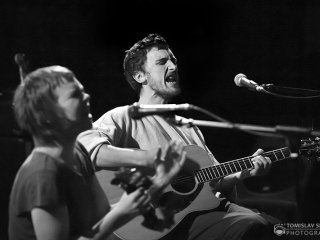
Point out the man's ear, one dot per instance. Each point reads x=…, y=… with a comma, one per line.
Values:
x=140, y=77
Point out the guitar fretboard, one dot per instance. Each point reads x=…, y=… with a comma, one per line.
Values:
x=227, y=168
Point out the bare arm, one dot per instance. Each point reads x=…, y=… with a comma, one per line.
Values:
x=51, y=224
x=109, y=157
x=129, y=206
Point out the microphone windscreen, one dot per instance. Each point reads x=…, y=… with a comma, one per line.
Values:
x=237, y=79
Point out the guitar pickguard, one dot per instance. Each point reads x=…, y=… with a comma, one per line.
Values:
x=176, y=202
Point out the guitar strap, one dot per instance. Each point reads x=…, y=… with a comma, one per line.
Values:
x=183, y=135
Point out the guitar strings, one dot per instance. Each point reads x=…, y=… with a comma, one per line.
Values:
x=238, y=163
x=275, y=155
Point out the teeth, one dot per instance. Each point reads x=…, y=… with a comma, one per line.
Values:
x=170, y=79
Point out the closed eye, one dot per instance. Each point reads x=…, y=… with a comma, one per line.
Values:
x=162, y=61
x=77, y=93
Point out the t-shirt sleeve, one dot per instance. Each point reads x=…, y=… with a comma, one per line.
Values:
x=84, y=158
x=107, y=129
x=41, y=190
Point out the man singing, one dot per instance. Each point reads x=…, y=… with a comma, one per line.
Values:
x=116, y=140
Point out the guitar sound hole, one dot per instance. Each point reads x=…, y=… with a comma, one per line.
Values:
x=184, y=182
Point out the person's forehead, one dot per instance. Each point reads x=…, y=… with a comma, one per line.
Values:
x=77, y=83
x=67, y=86
x=156, y=53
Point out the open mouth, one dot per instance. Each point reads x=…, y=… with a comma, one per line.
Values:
x=171, y=78
x=87, y=112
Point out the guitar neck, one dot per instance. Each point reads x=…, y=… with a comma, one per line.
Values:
x=213, y=172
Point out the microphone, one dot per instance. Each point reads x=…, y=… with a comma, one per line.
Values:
x=22, y=64
x=241, y=81
x=137, y=111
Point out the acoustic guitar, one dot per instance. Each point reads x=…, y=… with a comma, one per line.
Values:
x=189, y=191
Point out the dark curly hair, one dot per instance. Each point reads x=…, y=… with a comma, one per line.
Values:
x=137, y=55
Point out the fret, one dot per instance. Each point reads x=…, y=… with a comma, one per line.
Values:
x=203, y=174
x=215, y=169
x=218, y=171
x=209, y=173
x=221, y=166
x=203, y=177
x=279, y=155
x=243, y=165
x=272, y=157
x=236, y=165
x=225, y=166
x=287, y=152
x=200, y=176
x=250, y=163
x=230, y=169
x=197, y=176
x=233, y=169
x=275, y=155
x=245, y=161
x=212, y=172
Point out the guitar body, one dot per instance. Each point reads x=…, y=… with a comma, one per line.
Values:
x=183, y=196
x=190, y=190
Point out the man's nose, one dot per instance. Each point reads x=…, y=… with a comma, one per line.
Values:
x=171, y=65
x=86, y=97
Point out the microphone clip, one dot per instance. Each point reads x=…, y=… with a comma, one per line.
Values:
x=179, y=121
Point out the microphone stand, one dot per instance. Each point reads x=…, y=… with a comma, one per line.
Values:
x=270, y=88
x=282, y=129
x=291, y=134
x=306, y=183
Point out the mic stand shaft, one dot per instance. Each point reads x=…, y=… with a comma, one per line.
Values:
x=289, y=90
x=284, y=130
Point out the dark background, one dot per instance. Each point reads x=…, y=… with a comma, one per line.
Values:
x=276, y=42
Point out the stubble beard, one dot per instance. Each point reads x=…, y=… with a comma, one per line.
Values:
x=163, y=91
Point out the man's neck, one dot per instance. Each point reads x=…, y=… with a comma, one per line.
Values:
x=151, y=98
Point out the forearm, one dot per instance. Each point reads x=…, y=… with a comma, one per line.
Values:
x=227, y=185
x=109, y=157
x=111, y=222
